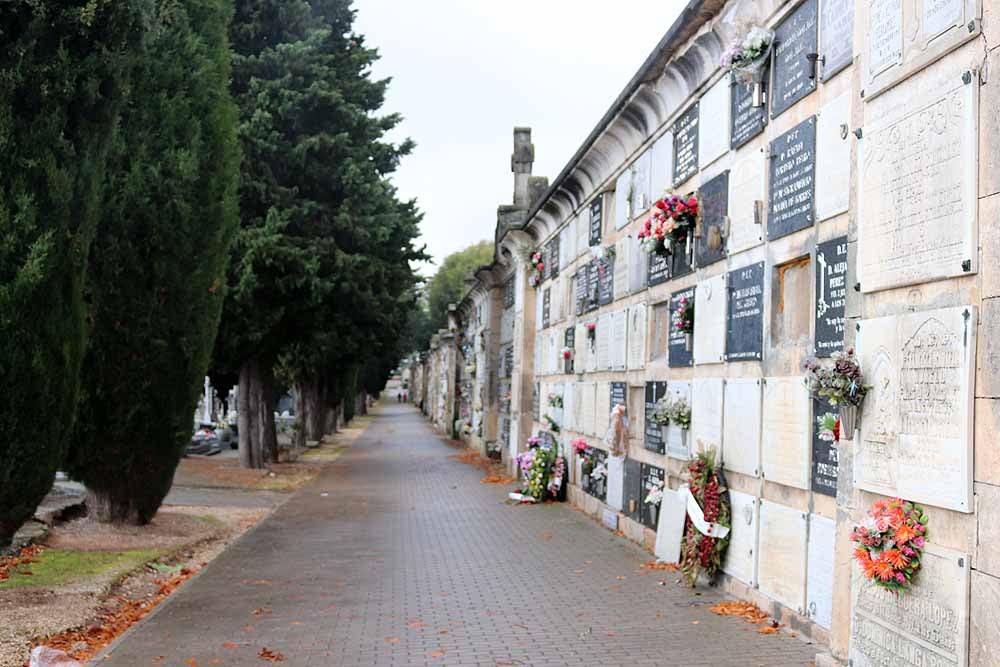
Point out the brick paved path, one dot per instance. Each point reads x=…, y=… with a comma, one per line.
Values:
x=408, y=560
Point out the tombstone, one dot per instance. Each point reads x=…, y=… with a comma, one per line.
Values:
x=589, y=340
x=619, y=335
x=637, y=265
x=819, y=570
x=833, y=157
x=885, y=35
x=786, y=431
x=609, y=519
x=657, y=270
x=605, y=280
x=741, y=426
x=836, y=36
x=707, y=397
x=596, y=220
x=685, y=133
x=567, y=243
x=569, y=343
x=741, y=557
x=792, y=192
x=652, y=433
x=678, y=439
x=710, y=320
x=746, y=120
x=503, y=398
x=641, y=188
x=670, y=527
x=927, y=625
x=746, y=203
x=652, y=477
x=661, y=169
x=745, y=328
x=616, y=482
x=633, y=489
x=581, y=281
x=588, y=413
x=825, y=457
x=794, y=75
x=618, y=392
x=636, y=355
x=620, y=279
x=623, y=201
x=781, y=569
x=602, y=409
x=713, y=123
x=831, y=295
x=593, y=285
x=917, y=207
x=598, y=487
x=916, y=422
x=710, y=245
x=678, y=356
x=569, y=407
x=546, y=307
x=603, y=342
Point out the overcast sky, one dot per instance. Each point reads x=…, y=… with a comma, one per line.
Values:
x=465, y=72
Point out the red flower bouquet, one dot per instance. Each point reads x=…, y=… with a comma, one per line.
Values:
x=673, y=221
x=706, y=551
x=890, y=542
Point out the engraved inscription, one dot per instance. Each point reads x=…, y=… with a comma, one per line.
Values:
x=885, y=35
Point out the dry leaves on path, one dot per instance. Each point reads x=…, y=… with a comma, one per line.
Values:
x=660, y=565
x=750, y=612
x=270, y=656
x=25, y=556
x=497, y=479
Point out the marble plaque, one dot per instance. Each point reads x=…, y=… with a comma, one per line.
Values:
x=741, y=558
x=747, y=121
x=602, y=409
x=552, y=257
x=713, y=126
x=941, y=15
x=546, y=307
x=781, y=566
x=619, y=339
x=917, y=420
x=710, y=244
x=678, y=438
x=567, y=244
x=652, y=477
x=746, y=202
x=652, y=433
x=831, y=296
x=917, y=216
x=636, y=336
x=596, y=221
x=786, y=431
x=819, y=572
x=609, y=519
x=507, y=325
x=833, y=157
x=616, y=479
x=569, y=343
x=670, y=528
x=605, y=272
x=745, y=320
x=633, y=489
x=621, y=268
x=623, y=206
x=792, y=192
x=588, y=412
x=836, y=36
x=707, y=399
x=657, y=270
x=927, y=625
x=685, y=133
x=569, y=407
x=741, y=426
x=553, y=353
x=885, y=35
x=636, y=265
x=641, y=188
x=825, y=456
x=793, y=76
x=603, y=343
x=662, y=165
x=710, y=320
x=678, y=356
x=618, y=394
x=581, y=353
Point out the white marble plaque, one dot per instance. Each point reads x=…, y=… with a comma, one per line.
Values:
x=707, y=398
x=741, y=426
x=786, y=439
x=662, y=167
x=590, y=355
x=623, y=208
x=620, y=281
x=603, y=342
x=637, y=266
x=819, y=574
x=713, y=124
x=569, y=407
x=581, y=347
x=641, y=189
x=781, y=565
x=919, y=180
x=710, y=320
x=741, y=558
x=636, y=356
x=616, y=477
x=567, y=239
x=610, y=519
x=940, y=15
x=588, y=408
x=885, y=35
x=583, y=232
x=833, y=157
x=619, y=340
x=602, y=409
x=746, y=202
x=556, y=304
x=670, y=527
x=917, y=421
x=678, y=438
x=540, y=308
x=928, y=626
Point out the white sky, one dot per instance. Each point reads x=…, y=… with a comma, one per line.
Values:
x=465, y=72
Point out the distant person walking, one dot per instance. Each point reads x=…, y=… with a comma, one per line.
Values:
x=399, y=397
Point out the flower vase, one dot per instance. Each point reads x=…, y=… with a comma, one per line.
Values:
x=665, y=432
x=848, y=420
x=653, y=512
x=688, y=341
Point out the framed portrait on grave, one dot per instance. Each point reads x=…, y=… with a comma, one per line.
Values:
x=652, y=478
x=679, y=352
x=793, y=75
x=652, y=432
x=746, y=121
x=745, y=319
x=685, y=133
x=710, y=242
x=831, y=295
x=791, y=195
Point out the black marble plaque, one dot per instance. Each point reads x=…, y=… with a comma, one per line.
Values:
x=605, y=280
x=677, y=354
x=745, y=330
x=685, y=131
x=836, y=36
x=652, y=478
x=582, y=282
x=710, y=247
x=632, y=490
x=536, y=403
x=546, y=307
x=619, y=394
x=794, y=75
x=831, y=293
x=596, y=221
x=657, y=270
x=569, y=342
x=596, y=487
x=593, y=285
x=652, y=433
x=792, y=188
x=824, y=454
x=746, y=121
x=552, y=254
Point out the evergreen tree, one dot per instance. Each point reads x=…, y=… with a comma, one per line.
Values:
x=157, y=275
x=61, y=74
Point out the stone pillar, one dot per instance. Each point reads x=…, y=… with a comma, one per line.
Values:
x=523, y=377
x=521, y=161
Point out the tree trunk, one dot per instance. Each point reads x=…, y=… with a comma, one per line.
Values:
x=258, y=434
x=312, y=393
x=108, y=507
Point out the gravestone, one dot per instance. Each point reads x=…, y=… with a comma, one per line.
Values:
x=836, y=36
x=633, y=489
x=552, y=257
x=794, y=75
x=711, y=298
x=623, y=201
x=605, y=280
x=741, y=557
x=927, y=625
x=825, y=459
x=670, y=527
x=677, y=437
x=641, y=188
x=508, y=361
x=678, y=356
x=616, y=481
x=603, y=343
x=661, y=169
x=885, y=35
x=713, y=123
x=619, y=334
x=745, y=328
x=746, y=120
x=792, y=192
x=833, y=157
x=569, y=343
x=831, y=295
x=781, y=569
x=593, y=286
x=546, y=307
x=787, y=432
x=599, y=487
x=917, y=218
x=658, y=270
x=637, y=268
x=619, y=394
x=685, y=133
x=652, y=477
x=746, y=203
x=596, y=220
x=819, y=570
x=741, y=426
x=588, y=412
x=707, y=397
x=503, y=397
x=569, y=407
x=582, y=283
x=652, y=433
x=602, y=409
x=609, y=518
x=636, y=336
x=917, y=422
x=710, y=247
x=621, y=267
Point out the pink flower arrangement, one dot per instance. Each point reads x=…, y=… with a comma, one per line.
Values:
x=579, y=445
x=673, y=220
x=890, y=542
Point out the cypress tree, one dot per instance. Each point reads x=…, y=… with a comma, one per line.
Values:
x=61, y=74
x=157, y=277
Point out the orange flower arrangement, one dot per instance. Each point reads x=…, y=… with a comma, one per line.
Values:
x=890, y=542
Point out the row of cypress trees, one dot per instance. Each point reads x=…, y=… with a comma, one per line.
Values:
x=186, y=186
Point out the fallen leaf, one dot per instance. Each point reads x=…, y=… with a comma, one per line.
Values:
x=695, y=622
x=158, y=659
x=392, y=640
x=270, y=656
x=415, y=624
x=620, y=577
x=741, y=608
x=442, y=632
x=767, y=630
x=658, y=565
x=191, y=662
x=260, y=611
x=545, y=536
x=230, y=645
x=436, y=654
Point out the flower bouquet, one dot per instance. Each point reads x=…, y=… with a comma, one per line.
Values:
x=538, y=465
x=705, y=541
x=746, y=58
x=839, y=381
x=537, y=269
x=553, y=425
x=555, y=401
x=890, y=542
x=829, y=427
x=567, y=353
x=673, y=221
x=683, y=320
